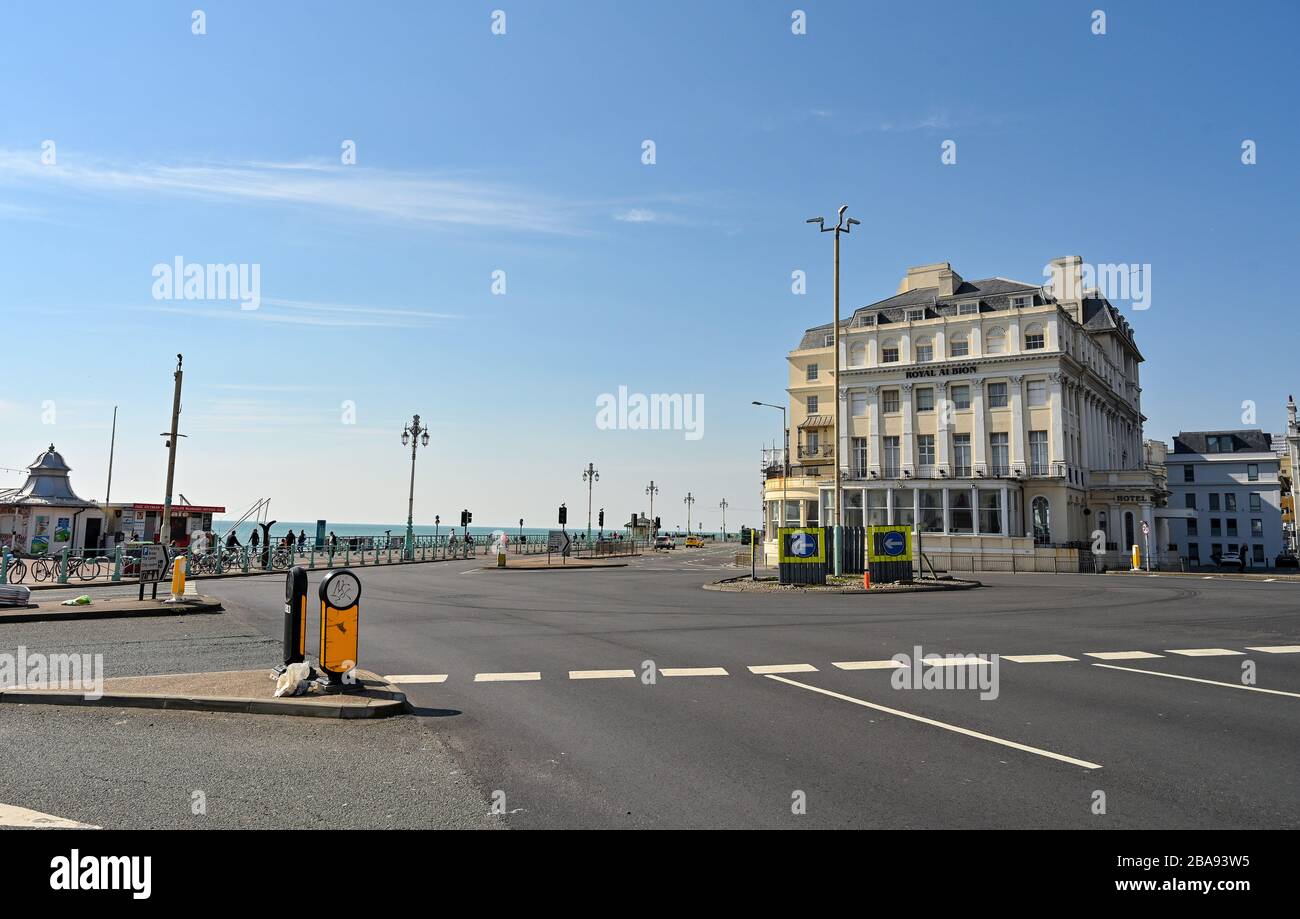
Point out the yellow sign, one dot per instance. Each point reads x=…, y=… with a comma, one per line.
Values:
x=889, y=544
x=338, y=638
x=803, y=545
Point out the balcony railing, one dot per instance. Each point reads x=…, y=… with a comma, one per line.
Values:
x=930, y=472
x=821, y=451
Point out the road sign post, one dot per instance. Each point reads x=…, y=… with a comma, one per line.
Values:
x=889, y=553
x=153, y=562
x=295, y=617
x=340, y=621
x=802, y=557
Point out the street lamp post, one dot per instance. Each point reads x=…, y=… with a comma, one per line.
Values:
x=841, y=227
x=590, y=476
x=416, y=436
x=785, y=462
x=688, y=501
x=723, y=504
x=652, y=489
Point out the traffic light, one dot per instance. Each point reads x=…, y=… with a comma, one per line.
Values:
x=465, y=518
x=469, y=517
x=656, y=524
x=600, y=521
x=564, y=515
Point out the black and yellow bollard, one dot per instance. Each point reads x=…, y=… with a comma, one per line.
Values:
x=295, y=617
x=340, y=616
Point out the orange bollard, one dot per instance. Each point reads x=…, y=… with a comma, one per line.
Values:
x=866, y=579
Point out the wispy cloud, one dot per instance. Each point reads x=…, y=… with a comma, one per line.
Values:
x=637, y=215
x=305, y=312
x=421, y=199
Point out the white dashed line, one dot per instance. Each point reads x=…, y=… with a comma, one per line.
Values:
x=521, y=677
x=955, y=661
x=1192, y=679
x=939, y=724
x=1205, y=652
x=693, y=671
x=1276, y=649
x=1037, y=658
x=783, y=668
x=22, y=817
x=601, y=674
x=416, y=678
x=868, y=665
x=1121, y=655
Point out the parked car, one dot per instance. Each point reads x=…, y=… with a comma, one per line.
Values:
x=1286, y=560
x=665, y=542
x=694, y=542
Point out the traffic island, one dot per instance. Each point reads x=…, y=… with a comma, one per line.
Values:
x=114, y=608
x=247, y=692
x=843, y=585
x=538, y=563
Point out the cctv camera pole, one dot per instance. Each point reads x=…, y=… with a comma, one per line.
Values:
x=172, y=436
x=723, y=504
x=841, y=226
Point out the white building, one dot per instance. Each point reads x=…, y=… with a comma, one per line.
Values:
x=1227, y=485
x=994, y=416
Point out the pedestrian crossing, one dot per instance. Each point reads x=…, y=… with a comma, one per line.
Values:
x=625, y=673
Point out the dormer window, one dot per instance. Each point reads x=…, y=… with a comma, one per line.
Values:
x=828, y=341
x=968, y=309
x=915, y=315
x=867, y=320
x=1022, y=302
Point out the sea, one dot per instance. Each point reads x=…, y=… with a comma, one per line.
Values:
x=343, y=530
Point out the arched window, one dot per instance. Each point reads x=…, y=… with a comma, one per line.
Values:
x=1035, y=340
x=995, y=342
x=924, y=350
x=857, y=354
x=889, y=351
x=958, y=346
x=1042, y=519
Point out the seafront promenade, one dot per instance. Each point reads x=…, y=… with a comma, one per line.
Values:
x=122, y=565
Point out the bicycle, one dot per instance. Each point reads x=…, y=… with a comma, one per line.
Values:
x=17, y=570
x=87, y=569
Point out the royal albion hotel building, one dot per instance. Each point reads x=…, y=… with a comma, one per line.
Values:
x=992, y=416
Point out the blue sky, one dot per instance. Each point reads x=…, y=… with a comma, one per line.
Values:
x=522, y=153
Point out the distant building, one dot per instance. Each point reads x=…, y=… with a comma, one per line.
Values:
x=44, y=515
x=1228, y=485
x=993, y=416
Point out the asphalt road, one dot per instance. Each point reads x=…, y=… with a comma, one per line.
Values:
x=595, y=748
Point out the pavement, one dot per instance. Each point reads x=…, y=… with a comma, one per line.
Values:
x=108, y=608
x=251, y=692
x=631, y=697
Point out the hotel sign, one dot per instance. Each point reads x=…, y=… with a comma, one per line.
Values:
x=957, y=370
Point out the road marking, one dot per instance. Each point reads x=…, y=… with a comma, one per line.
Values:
x=22, y=817
x=783, y=668
x=1121, y=655
x=507, y=677
x=940, y=724
x=1276, y=649
x=601, y=674
x=954, y=661
x=1192, y=679
x=693, y=671
x=416, y=678
x=1037, y=658
x=868, y=665
x=1204, y=652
